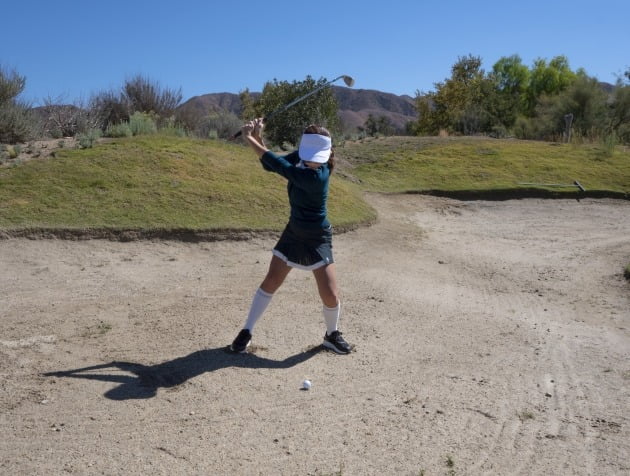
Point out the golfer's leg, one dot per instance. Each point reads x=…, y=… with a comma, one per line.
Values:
x=326, y=279
x=278, y=270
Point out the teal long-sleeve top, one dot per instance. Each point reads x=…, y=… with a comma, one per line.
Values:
x=307, y=188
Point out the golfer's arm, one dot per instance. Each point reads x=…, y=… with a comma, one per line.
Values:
x=257, y=144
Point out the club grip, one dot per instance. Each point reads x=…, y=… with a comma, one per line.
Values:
x=237, y=135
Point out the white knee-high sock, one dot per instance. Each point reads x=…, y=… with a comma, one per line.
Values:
x=331, y=317
x=259, y=304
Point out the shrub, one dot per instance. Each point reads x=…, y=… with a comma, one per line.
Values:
x=16, y=123
x=108, y=108
x=524, y=128
x=219, y=125
x=142, y=123
x=87, y=139
x=12, y=151
x=144, y=95
x=118, y=130
x=11, y=85
x=60, y=120
x=173, y=130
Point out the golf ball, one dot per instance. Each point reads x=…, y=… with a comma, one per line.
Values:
x=306, y=385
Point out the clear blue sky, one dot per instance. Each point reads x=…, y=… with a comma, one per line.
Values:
x=73, y=49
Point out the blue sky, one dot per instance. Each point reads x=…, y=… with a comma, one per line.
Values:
x=69, y=50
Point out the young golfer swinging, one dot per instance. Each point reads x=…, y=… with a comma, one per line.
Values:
x=306, y=242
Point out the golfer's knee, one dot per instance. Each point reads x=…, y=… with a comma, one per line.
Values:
x=271, y=283
x=329, y=297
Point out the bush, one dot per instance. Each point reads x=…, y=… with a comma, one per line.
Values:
x=17, y=123
x=118, y=130
x=523, y=128
x=87, y=139
x=108, y=108
x=219, y=125
x=60, y=120
x=173, y=130
x=142, y=123
x=144, y=95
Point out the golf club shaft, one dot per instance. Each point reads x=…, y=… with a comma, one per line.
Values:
x=295, y=101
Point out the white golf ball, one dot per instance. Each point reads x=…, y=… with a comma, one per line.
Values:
x=306, y=385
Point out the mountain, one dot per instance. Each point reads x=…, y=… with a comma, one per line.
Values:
x=355, y=105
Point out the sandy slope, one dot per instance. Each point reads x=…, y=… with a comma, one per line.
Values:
x=492, y=338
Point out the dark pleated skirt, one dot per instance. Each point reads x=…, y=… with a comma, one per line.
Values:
x=304, y=248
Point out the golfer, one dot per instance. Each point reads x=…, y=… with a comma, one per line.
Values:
x=306, y=242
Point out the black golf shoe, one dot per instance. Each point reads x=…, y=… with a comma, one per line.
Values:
x=337, y=343
x=242, y=341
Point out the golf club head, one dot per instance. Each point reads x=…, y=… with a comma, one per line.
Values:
x=348, y=80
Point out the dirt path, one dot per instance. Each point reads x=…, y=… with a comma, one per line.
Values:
x=492, y=338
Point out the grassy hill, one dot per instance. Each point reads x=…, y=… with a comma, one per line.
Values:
x=168, y=186
x=479, y=166
x=158, y=184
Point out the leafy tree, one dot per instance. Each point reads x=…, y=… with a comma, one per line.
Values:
x=619, y=111
x=464, y=103
x=426, y=123
x=287, y=126
x=511, y=78
x=584, y=100
x=547, y=79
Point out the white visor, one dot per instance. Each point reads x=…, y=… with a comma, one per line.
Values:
x=315, y=148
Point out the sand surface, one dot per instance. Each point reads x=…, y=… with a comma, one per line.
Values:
x=491, y=338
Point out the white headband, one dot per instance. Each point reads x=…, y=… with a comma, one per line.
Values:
x=315, y=148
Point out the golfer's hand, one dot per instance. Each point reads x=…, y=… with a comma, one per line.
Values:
x=247, y=129
x=259, y=124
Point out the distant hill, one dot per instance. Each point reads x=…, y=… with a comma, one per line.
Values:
x=355, y=105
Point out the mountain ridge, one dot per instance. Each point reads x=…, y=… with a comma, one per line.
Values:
x=355, y=106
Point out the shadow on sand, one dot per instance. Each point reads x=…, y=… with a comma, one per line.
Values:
x=147, y=379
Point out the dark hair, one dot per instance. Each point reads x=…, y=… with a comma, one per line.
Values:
x=322, y=131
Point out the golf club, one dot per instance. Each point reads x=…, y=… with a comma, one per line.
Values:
x=346, y=79
x=574, y=184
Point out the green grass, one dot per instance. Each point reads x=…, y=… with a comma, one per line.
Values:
x=416, y=164
x=167, y=183
x=157, y=183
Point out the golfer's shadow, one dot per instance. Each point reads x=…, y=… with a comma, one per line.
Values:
x=147, y=379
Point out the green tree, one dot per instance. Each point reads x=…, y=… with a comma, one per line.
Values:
x=426, y=123
x=465, y=103
x=547, y=79
x=619, y=111
x=511, y=78
x=287, y=126
x=584, y=100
